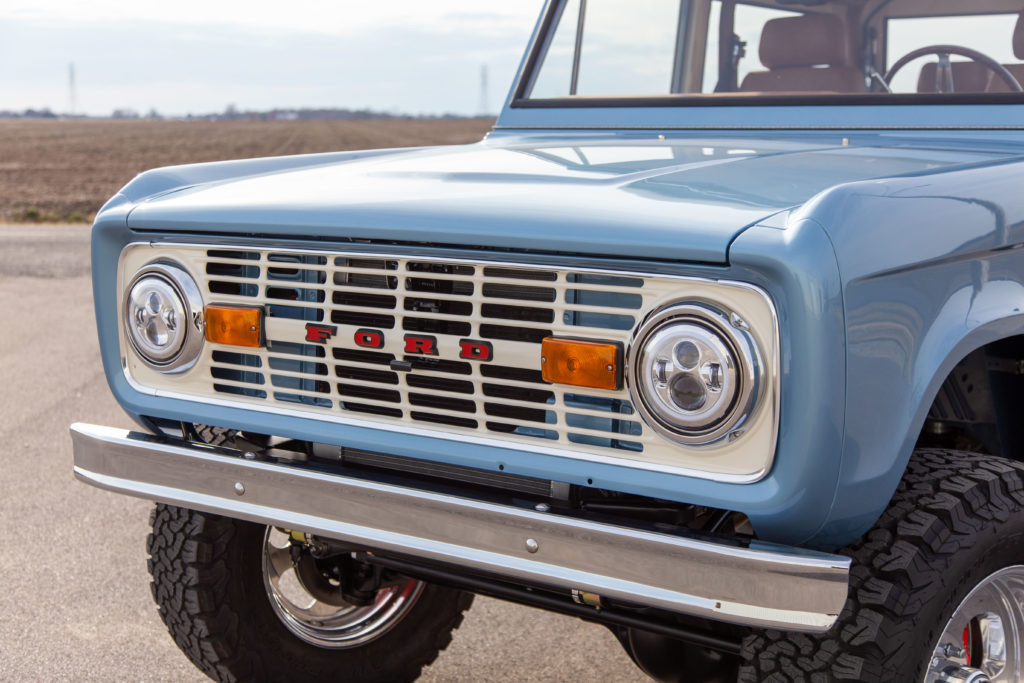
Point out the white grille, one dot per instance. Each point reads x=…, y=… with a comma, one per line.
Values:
x=510, y=307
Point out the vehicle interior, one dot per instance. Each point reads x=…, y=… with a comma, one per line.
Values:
x=743, y=48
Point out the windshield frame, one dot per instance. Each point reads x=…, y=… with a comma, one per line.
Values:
x=534, y=59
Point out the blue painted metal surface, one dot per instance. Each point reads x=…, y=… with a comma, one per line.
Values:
x=932, y=269
x=688, y=195
x=950, y=117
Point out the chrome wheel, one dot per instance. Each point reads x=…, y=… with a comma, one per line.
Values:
x=983, y=639
x=320, y=618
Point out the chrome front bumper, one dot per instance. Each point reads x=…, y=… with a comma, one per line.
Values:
x=763, y=585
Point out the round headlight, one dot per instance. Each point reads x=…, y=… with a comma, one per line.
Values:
x=693, y=372
x=163, y=317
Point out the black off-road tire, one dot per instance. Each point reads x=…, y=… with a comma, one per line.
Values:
x=955, y=519
x=208, y=584
x=216, y=436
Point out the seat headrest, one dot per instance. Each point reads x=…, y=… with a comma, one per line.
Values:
x=807, y=40
x=1018, y=38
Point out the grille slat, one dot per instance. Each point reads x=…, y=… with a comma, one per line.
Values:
x=301, y=376
x=427, y=315
x=519, y=292
x=371, y=395
x=247, y=391
x=442, y=404
x=450, y=420
x=365, y=300
x=366, y=374
x=360, y=270
x=237, y=384
x=581, y=308
x=237, y=375
x=371, y=409
x=625, y=431
x=233, y=358
x=519, y=413
x=519, y=313
x=513, y=403
x=599, y=321
x=291, y=385
x=360, y=356
x=515, y=333
x=529, y=431
x=597, y=414
x=437, y=365
x=240, y=279
x=517, y=393
x=437, y=325
x=445, y=384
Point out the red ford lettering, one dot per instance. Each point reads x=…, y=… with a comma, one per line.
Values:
x=371, y=339
x=319, y=334
x=421, y=344
x=475, y=350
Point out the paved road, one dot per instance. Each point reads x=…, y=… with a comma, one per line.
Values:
x=75, y=602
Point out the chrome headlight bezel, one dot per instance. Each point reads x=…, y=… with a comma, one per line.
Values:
x=172, y=282
x=722, y=360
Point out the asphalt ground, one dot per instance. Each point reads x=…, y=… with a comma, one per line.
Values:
x=76, y=604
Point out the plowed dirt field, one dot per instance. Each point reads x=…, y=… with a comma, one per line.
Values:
x=63, y=170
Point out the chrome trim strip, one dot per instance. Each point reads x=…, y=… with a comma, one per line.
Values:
x=764, y=585
x=770, y=401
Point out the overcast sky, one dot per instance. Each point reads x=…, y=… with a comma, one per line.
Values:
x=200, y=56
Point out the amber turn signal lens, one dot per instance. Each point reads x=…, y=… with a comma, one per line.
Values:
x=234, y=325
x=580, y=363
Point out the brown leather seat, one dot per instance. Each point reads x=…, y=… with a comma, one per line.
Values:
x=967, y=77
x=809, y=53
x=1017, y=70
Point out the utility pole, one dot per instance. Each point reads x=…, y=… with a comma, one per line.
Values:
x=483, y=108
x=72, y=95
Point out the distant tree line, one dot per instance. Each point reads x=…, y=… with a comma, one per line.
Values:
x=233, y=114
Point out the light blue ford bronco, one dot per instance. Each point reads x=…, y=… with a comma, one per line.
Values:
x=717, y=340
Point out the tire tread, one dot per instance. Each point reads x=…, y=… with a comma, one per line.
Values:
x=943, y=504
x=191, y=572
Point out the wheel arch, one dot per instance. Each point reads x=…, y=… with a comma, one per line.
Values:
x=870, y=471
x=974, y=406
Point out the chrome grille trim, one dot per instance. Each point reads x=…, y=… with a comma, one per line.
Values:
x=501, y=403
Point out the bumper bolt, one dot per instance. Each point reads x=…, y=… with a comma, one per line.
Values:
x=532, y=545
x=239, y=488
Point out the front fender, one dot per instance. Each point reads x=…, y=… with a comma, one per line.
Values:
x=931, y=271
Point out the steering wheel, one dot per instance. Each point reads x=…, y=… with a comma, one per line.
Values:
x=944, y=75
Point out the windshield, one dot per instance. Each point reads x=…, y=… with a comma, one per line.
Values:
x=722, y=51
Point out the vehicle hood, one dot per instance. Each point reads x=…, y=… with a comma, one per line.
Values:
x=681, y=199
